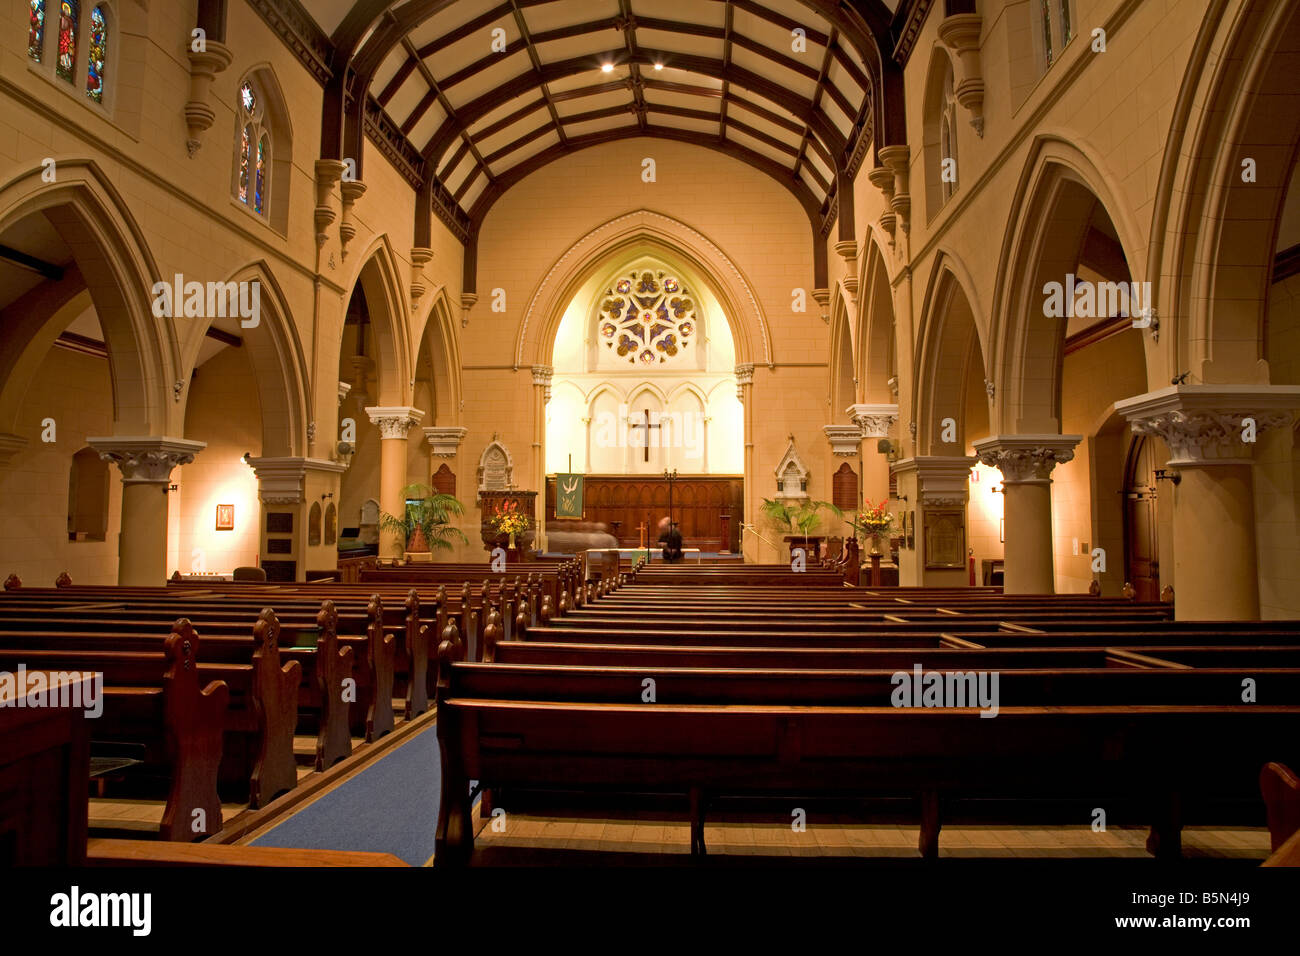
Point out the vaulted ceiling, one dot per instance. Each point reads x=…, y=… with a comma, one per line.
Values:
x=469, y=96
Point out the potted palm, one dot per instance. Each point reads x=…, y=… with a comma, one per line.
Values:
x=425, y=526
x=798, y=517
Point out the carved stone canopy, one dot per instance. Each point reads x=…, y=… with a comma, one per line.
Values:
x=1209, y=424
x=875, y=421
x=1026, y=458
x=791, y=475
x=445, y=440
x=147, y=459
x=495, y=468
x=394, y=421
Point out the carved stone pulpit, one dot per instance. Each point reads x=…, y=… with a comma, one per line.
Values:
x=493, y=503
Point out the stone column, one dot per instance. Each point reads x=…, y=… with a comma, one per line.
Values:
x=935, y=488
x=1026, y=463
x=745, y=394
x=876, y=422
x=394, y=423
x=542, y=375
x=1210, y=431
x=146, y=465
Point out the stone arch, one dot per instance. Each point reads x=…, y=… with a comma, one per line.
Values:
x=950, y=359
x=876, y=360
x=438, y=341
x=843, y=368
x=639, y=232
x=276, y=357
x=279, y=123
x=1057, y=192
x=937, y=133
x=116, y=270
x=1213, y=235
x=379, y=276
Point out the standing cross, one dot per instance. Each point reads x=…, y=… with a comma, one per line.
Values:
x=647, y=426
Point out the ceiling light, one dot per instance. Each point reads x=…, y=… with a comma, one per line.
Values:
x=659, y=66
x=607, y=68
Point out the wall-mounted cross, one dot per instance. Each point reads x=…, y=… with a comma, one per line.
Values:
x=646, y=424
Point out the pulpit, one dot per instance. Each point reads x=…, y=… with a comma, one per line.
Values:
x=493, y=503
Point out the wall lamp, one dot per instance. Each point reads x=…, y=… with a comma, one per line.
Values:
x=1164, y=475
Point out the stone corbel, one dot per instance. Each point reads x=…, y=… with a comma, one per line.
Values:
x=961, y=34
x=328, y=172
x=344, y=388
x=204, y=66
x=353, y=190
x=444, y=440
x=882, y=177
x=848, y=251
x=467, y=300
x=895, y=158
x=823, y=297
x=846, y=440
x=420, y=257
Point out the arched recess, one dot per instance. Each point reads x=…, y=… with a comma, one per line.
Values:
x=379, y=277
x=439, y=354
x=114, y=267
x=1213, y=228
x=643, y=232
x=950, y=375
x=939, y=130
x=276, y=357
x=1051, y=214
x=274, y=119
x=876, y=360
x=843, y=368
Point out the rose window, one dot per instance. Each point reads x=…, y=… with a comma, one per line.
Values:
x=647, y=318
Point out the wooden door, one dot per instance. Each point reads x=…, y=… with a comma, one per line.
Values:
x=1141, y=554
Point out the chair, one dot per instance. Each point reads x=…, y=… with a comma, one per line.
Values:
x=257, y=575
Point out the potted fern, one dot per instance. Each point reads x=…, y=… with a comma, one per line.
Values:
x=799, y=517
x=425, y=526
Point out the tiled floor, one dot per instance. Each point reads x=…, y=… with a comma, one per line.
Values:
x=843, y=837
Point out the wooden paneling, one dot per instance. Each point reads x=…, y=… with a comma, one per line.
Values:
x=699, y=502
x=844, y=488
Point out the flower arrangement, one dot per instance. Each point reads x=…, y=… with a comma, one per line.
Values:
x=874, y=520
x=509, y=522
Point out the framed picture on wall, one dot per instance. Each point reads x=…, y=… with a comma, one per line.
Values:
x=945, y=539
x=225, y=517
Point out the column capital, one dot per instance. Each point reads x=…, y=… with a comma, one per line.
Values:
x=146, y=459
x=874, y=420
x=1209, y=424
x=1026, y=458
x=280, y=480
x=542, y=375
x=344, y=388
x=445, y=439
x=394, y=421
x=943, y=481
x=846, y=440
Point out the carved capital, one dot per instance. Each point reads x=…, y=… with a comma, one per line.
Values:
x=744, y=377
x=942, y=481
x=146, y=460
x=846, y=440
x=1210, y=424
x=1025, y=459
x=874, y=421
x=542, y=379
x=280, y=480
x=395, y=421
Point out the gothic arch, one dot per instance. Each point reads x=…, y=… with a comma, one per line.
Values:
x=875, y=359
x=640, y=232
x=951, y=351
x=1213, y=235
x=379, y=275
x=279, y=124
x=439, y=337
x=1060, y=185
x=117, y=271
x=276, y=357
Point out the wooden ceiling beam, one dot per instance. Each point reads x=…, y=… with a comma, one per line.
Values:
x=537, y=68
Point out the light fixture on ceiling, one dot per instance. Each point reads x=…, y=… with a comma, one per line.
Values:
x=607, y=68
x=659, y=66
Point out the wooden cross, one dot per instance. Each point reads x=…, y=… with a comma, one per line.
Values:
x=647, y=426
x=642, y=528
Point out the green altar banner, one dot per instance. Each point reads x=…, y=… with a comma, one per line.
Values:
x=568, y=496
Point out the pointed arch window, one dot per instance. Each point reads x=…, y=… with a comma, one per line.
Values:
x=65, y=66
x=253, y=175
x=36, y=30
x=948, y=138
x=98, y=54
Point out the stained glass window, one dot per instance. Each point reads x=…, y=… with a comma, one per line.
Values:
x=1066, y=30
x=98, y=54
x=1047, y=29
x=261, y=174
x=647, y=317
x=36, y=30
x=254, y=151
x=69, y=13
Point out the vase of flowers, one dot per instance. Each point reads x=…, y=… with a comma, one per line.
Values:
x=510, y=523
x=874, y=521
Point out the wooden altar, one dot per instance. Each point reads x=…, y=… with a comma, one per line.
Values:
x=708, y=508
